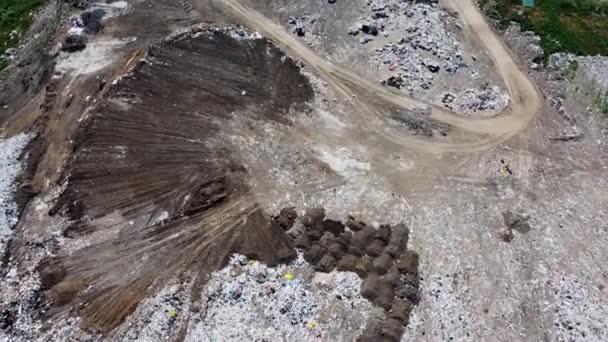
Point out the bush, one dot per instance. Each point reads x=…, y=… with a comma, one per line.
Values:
x=576, y=26
x=15, y=19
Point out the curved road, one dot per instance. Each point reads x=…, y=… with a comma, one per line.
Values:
x=526, y=101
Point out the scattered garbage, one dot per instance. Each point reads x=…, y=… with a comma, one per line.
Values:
x=505, y=168
x=254, y=302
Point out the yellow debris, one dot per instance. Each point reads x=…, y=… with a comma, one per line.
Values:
x=312, y=324
x=171, y=313
x=288, y=276
x=251, y=261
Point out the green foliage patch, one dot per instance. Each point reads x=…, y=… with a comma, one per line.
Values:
x=575, y=26
x=16, y=16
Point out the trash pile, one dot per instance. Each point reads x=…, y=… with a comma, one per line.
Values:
x=526, y=43
x=10, y=167
x=422, y=45
x=486, y=99
x=349, y=281
x=248, y=300
x=89, y=22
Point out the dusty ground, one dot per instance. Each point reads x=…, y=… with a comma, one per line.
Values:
x=167, y=147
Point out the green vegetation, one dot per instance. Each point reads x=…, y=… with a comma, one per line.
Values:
x=15, y=18
x=571, y=70
x=603, y=103
x=576, y=26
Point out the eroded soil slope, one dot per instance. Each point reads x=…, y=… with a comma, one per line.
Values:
x=152, y=166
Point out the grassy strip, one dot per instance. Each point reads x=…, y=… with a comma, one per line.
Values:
x=16, y=16
x=576, y=26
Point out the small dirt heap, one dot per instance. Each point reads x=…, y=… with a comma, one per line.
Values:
x=379, y=256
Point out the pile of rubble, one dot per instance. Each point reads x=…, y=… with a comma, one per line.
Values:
x=422, y=45
x=248, y=300
x=484, y=100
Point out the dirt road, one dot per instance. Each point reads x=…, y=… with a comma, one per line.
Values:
x=526, y=100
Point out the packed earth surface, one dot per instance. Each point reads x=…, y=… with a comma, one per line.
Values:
x=240, y=170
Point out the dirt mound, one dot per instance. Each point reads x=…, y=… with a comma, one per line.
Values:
x=154, y=177
x=379, y=256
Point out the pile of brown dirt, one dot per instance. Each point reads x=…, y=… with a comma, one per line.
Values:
x=379, y=256
x=152, y=167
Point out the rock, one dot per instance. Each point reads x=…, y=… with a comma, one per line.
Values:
x=336, y=250
x=74, y=43
x=285, y=254
x=370, y=29
x=335, y=227
x=385, y=295
x=286, y=218
x=314, y=233
x=382, y=264
x=365, y=235
x=313, y=217
x=408, y=262
x=348, y=263
x=369, y=287
x=345, y=239
x=401, y=311
x=392, y=277
x=375, y=247
x=327, y=264
x=354, y=225
x=384, y=233
x=363, y=266
x=314, y=255
x=327, y=239
x=92, y=20
x=399, y=236
x=356, y=248
x=392, y=250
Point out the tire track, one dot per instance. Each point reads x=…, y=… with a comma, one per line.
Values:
x=526, y=100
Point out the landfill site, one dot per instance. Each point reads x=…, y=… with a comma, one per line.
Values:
x=313, y=170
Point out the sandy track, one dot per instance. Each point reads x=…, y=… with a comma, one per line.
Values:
x=526, y=100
